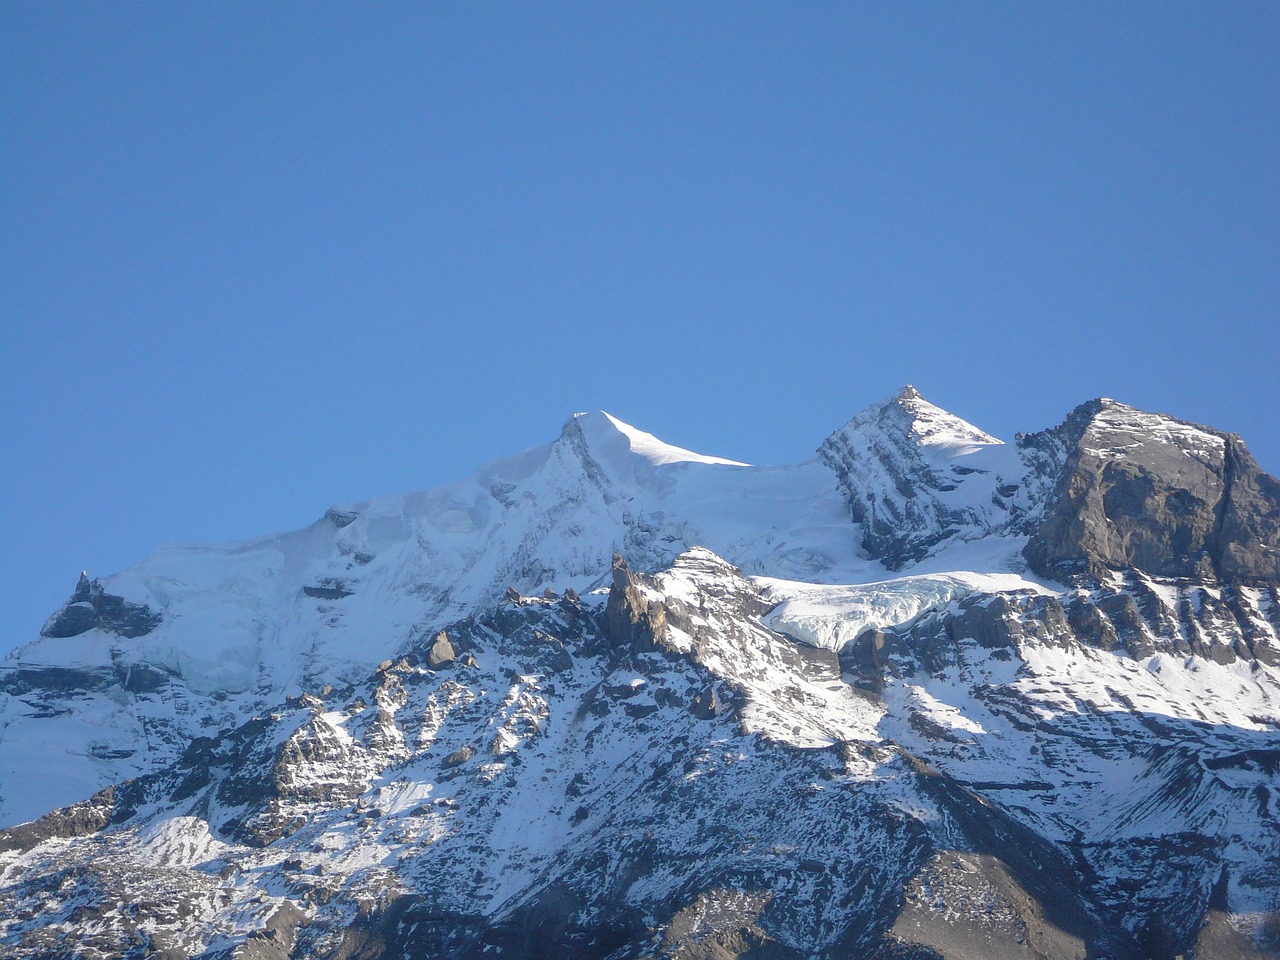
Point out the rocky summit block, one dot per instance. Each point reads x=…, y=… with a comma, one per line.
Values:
x=91, y=607
x=1146, y=491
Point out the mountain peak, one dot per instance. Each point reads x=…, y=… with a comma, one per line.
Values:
x=1149, y=491
x=607, y=436
x=921, y=750
x=908, y=413
x=914, y=476
x=1107, y=425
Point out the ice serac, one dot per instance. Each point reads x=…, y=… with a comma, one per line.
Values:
x=1146, y=491
x=915, y=476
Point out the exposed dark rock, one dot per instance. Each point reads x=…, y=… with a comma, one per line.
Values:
x=328, y=589
x=1246, y=542
x=705, y=705
x=1132, y=631
x=1091, y=625
x=142, y=677
x=1200, y=625
x=276, y=939
x=1254, y=625
x=73, y=620
x=870, y=658
x=1045, y=621
x=989, y=621
x=78, y=820
x=459, y=756
x=90, y=607
x=60, y=681
x=340, y=518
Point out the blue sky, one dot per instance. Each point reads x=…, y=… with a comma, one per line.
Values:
x=257, y=259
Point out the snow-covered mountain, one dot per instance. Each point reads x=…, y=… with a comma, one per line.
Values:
x=927, y=694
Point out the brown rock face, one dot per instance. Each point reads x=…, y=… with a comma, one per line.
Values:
x=632, y=623
x=1149, y=492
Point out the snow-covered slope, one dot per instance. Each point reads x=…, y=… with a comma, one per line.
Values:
x=926, y=694
x=669, y=776
x=238, y=627
x=916, y=477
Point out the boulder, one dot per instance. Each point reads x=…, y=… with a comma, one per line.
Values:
x=441, y=651
x=705, y=705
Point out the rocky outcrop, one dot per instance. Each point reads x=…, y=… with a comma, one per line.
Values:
x=1137, y=617
x=632, y=623
x=705, y=705
x=90, y=608
x=1146, y=491
x=1005, y=921
x=441, y=652
x=330, y=588
x=77, y=820
x=872, y=658
x=1246, y=543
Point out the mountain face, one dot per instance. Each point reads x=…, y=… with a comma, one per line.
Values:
x=1146, y=491
x=925, y=695
x=915, y=476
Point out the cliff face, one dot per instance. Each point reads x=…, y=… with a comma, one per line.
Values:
x=1144, y=491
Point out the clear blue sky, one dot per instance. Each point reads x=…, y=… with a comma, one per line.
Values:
x=256, y=259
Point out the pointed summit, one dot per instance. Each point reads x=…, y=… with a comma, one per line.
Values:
x=909, y=415
x=915, y=476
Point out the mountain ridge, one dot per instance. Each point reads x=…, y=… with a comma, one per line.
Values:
x=551, y=709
